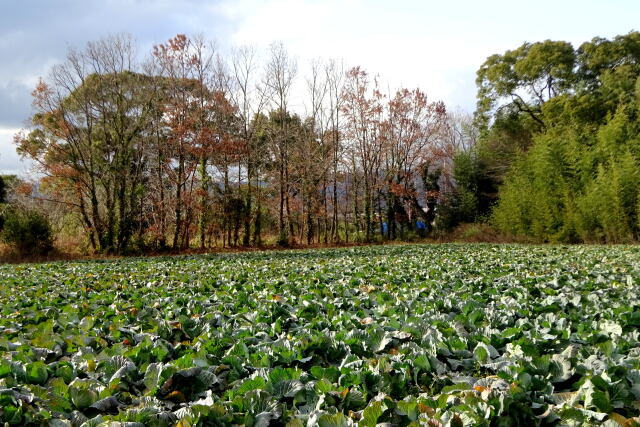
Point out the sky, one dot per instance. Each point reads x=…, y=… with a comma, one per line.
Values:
x=434, y=45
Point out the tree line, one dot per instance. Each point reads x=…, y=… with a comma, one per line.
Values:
x=188, y=148
x=558, y=155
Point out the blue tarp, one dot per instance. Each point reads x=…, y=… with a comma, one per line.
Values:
x=420, y=225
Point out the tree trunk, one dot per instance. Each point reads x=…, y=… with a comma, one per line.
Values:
x=257, y=225
x=161, y=208
x=290, y=221
x=204, y=188
x=282, y=232
x=246, y=238
x=367, y=210
x=178, y=206
x=356, y=210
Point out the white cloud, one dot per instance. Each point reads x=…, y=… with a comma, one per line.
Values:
x=10, y=162
x=402, y=48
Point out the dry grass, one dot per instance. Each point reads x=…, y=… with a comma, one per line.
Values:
x=478, y=233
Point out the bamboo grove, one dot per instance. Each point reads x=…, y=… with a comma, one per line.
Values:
x=189, y=148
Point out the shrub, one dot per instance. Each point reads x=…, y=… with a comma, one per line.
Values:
x=3, y=192
x=26, y=231
x=477, y=232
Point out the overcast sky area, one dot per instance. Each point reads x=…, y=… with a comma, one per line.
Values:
x=434, y=45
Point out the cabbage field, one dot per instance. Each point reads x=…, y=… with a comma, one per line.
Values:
x=395, y=335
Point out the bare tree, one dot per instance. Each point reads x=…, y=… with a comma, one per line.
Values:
x=279, y=76
x=250, y=99
x=313, y=150
x=334, y=71
x=459, y=135
x=363, y=111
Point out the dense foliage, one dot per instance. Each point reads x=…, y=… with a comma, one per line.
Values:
x=451, y=334
x=26, y=231
x=565, y=121
x=3, y=190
